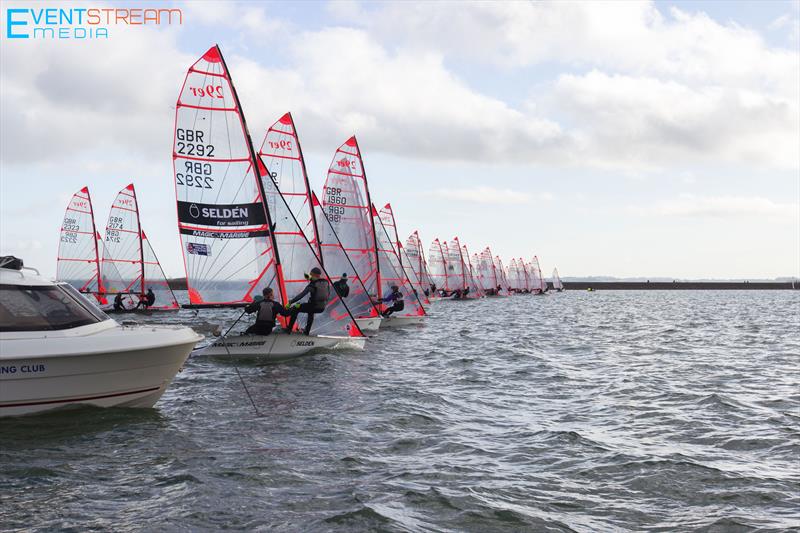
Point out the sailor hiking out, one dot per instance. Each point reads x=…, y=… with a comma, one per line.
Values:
x=267, y=311
x=319, y=292
x=397, y=298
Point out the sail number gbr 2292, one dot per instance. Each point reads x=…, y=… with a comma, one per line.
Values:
x=190, y=142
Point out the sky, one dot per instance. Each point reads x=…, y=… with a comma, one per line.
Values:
x=608, y=138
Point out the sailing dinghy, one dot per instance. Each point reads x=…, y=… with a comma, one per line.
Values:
x=419, y=264
x=502, y=279
x=233, y=247
x=488, y=274
x=282, y=157
x=79, y=248
x=136, y=270
x=538, y=283
x=349, y=208
x=391, y=274
x=390, y=225
x=557, y=285
x=438, y=268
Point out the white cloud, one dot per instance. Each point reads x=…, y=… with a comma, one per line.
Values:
x=721, y=206
x=490, y=195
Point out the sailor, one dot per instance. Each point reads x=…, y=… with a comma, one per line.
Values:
x=146, y=300
x=268, y=310
x=397, y=298
x=118, y=305
x=319, y=292
x=341, y=287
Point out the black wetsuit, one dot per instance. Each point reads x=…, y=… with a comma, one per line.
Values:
x=118, y=305
x=342, y=288
x=398, y=305
x=319, y=292
x=268, y=311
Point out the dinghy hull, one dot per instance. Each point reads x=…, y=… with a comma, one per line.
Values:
x=275, y=347
x=400, y=321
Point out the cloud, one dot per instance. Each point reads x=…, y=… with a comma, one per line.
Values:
x=490, y=195
x=721, y=207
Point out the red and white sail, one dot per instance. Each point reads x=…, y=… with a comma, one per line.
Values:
x=79, y=247
x=516, y=275
x=392, y=272
x=437, y=267
x=130, y=265
x=557, y=285
x=538, y=283
x=222, y=218
x=390, y=224
x=418, y=261
x=346, y=203
x=456, y=277
x=501, y=275
x=282, y=157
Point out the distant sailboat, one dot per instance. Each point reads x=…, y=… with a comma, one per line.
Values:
x=438, y=268
x=80, y=248
x=419, y=263
x=136, y=269
x=557, y=285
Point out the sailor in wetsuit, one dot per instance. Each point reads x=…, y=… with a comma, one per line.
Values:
x=118, y=305
x=319, y=292
x=267, y=311
x=146, y=300
x=397, y=298
x=341, y=287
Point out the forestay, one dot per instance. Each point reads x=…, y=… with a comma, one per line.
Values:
x=222, y=220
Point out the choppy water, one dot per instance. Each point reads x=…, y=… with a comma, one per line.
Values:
x=577, y=411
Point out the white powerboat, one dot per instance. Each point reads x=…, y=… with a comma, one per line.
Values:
x=58, y=349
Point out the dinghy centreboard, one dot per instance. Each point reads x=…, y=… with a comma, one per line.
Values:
x=228, y=235
x=136, y=269
x=282, y=158
x=349, y=208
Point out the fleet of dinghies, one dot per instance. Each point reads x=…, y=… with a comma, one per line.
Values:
x=249, y=220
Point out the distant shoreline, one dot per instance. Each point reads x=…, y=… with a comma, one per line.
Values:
x=678, y=285
x=179, y=284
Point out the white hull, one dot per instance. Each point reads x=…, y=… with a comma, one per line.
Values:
x=369, y=324
x=400, y=321
x=276, y=347
x=109, y=366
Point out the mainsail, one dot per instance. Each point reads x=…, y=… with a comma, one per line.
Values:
x=222, y=219
x=78, y=249
x=501, y=274
x=346, y=203
x=416, y=255
x=557, y=285
x=283, y=160
x=130, y=265
x=516, y=276
x=390, y=225
x=486, y=271
x=538, y=283
x=471, y=274
x=232, y=244
x=438, y=266
x=392, y=272
x=456, y=277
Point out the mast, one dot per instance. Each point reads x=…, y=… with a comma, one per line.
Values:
x=372, y=215
x=254, y=161
x=95, y=236
x=139, y=235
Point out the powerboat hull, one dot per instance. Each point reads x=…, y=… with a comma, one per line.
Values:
x=111, y=368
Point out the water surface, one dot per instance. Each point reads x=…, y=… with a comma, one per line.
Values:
x=576, y=411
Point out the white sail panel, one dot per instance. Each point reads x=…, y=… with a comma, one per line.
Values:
x=78, y=256
x=123, y=246
x=156, y=280
x=222, y=219
x=438, y=266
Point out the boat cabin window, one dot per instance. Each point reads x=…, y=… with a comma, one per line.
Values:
x=43, y=308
